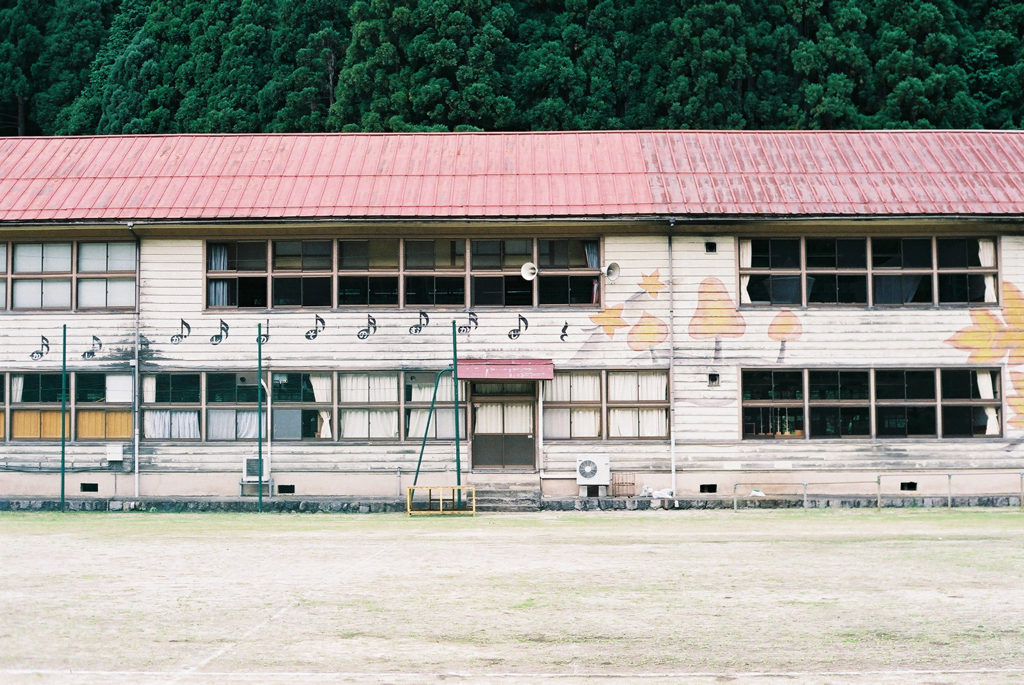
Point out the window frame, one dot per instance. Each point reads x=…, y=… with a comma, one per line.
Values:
x=304, y=405
x=611, y=405
x=870, y=272
x=172, y=406
x=571, y=404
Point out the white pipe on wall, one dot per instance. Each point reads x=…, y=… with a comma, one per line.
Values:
x=672, y=354
x=136, y=413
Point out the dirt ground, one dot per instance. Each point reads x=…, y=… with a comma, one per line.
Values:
x=838, y=597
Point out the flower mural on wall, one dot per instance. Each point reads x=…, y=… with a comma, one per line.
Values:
x=651, y=284
x=610, y=319
x=785, y=327
x=648, y=332
x=716, y=316
x=990, y=338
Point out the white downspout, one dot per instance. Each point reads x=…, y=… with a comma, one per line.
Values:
x=672, y=354
x=135, y=362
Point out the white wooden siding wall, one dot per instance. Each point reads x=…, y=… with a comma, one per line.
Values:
x=707, y=418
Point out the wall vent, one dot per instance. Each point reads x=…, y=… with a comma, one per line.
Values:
x=89, y=487
x=908, y=485
x=286, y=489
x=714, y=380
x=710, y=247
x=708, y=488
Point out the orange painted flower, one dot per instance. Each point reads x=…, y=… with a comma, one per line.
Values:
x=991, y=338
x=610, y=319
x=648, y=332
x=652, y=284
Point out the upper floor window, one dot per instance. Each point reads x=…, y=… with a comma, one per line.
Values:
x=51, y=276
x=876, y=271
x=389, y=272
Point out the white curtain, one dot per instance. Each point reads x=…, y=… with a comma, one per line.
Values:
x=185, y=424
x=321, y=383
x=623, y=423
x=444, y=423
x=384, y=424
x=987, y=391
x=586, y=423
x=488, y=419
x=653, y=385
x=556, y=423
x=586, y=387
x=163, y=424
x=383, y=387
x=518, y=418
x=417, y=423
x=622, y=386
x=119, y=388
x=149, y=389
x=218, y=257
x=217, y=293
x=245, y=423
x=17, y=387
x=156, y=424
x=987, y=257
x=653, y=423
x=354, y=388
x=445, y=389
x=591, y=248
x=746, y=256
x=220, y=424
x=354, y=424
x=558, y=390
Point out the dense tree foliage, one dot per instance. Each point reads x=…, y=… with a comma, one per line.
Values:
x=152, y=66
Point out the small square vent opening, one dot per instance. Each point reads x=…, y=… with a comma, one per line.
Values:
x=908, y=485
x=714, y=380
x=89, y=487
x=710, y=247
x=286, y=489
x=708, y=488
x=593, y=491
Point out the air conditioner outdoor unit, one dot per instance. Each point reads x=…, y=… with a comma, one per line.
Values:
x=245, y=378
x=593, y=470
x=251, y=469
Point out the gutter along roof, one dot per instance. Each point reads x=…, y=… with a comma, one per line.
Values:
x=698, y=174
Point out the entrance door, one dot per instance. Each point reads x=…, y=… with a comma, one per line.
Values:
x=504, y=417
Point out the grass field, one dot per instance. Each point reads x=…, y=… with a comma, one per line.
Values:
x=926, y=596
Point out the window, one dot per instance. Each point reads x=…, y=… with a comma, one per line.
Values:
x=306, y=257
x=237, y=274
x=572, y=406
x=368, y=406
x=302, y=406
x=419, y=388
x=637, y=404
x=3, y=405
x=3, y=275
x=178, y=397
x=900, y=403
x=390, y=272
x=773, y=404
x=42, y=276
x=876, y=271
x=102, y=262
x=368, y=273
x=570, y=272
x=234, y=414
x=35, y=407
x=103, y=403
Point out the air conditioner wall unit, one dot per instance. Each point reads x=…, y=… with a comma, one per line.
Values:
x=593, y=469
x=251, y=469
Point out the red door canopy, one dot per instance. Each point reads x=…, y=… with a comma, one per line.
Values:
x=506, y=369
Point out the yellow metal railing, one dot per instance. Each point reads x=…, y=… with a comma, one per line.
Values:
x=442, y=500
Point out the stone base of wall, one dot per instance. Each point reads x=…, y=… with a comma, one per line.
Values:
x=394, y=505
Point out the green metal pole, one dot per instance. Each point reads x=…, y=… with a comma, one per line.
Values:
x=63, y=409
x=259, y=413
x=455, y=395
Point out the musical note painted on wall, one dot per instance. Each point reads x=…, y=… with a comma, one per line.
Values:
x=264, y=337
x=565, y=332
x=523, y=325
x=319, y=326
x=185, y=331
x=417, y=328
x=371, y=328
x=473, y=324
x=222, y=336
x=44, y=349
x=97, y=345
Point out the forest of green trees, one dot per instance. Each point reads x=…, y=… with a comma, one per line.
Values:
x=170, y=66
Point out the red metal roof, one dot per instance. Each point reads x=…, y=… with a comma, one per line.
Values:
x=466, y=175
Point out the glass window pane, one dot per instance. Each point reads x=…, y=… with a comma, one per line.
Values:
x=3, y=294
x=623, y=386
x=822, y=289
x=222, y=292
x=518, y=292
x=757, y=385
x=419, y=254
x=556, y=423
x=553, y=254
x=316, y=255
x=28, y=294
x=383, y=254
x=920, y=385
x=787, y=385
x=852, y=289
x=773, y=422
x=785, y=289
x=56, y=257
x=383, y=290
x=92, y=292
x=553, y=289
x=90, y=387
x=316, y=292
x=759, y=288
x=287, y=254
x=287, y=424
x=917, y=253
x=92, y=256
x=917, y=289
x=824, y=385
x=287, y=292
x=821, y=253
x=852, y=253
x=785, y=253
x=57, y=294
x=252, y=292
x=3, y=258
x=252, y=256
x=488, y=291
x=760, y=253
x=353, y=254
x=119, y=387
x=517, y=253
x=120, y=292
x=953, y=253
x=584, y=290
x=28, y=258
x=120, y=256
x=353, y=290
x=486, y=254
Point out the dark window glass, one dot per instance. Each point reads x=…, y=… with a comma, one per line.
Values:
x=961, y=288
x=773, y=385
x=287, y=254
x=906, y=253
x=917, y=253
x=353, y=290
x=837, y=289
x=435, y=290
x=568, y=290
x=829, y=253
x=419, y=254
x=967, y=421
x=773, y=422
x=90, y=387
x=963, y=384
x=287, y=292
x=839, y=385
x=821, y=253
x=785, y=253
x=353, y=254
x=518, y=292
x=900, y=385
x=310, y=423
x=785, y=289
x=220, y=387
x=222, y=292
x=241, y=256
x=292, y=387
x=252, y=256
x=501, y=254
x=316, y=292
x=486, y=254
x=383, y=290
x=567, y=254
x=901, y=422
x=903, y=289
x=824, y=385
x=488, y=291
x=953, y=253
x=759, y=289
x=177, y=388
x=41, y=387
x=757, y=385
x=760, y=253
x=316, y=255
x=840, y=422
x=252, y=292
